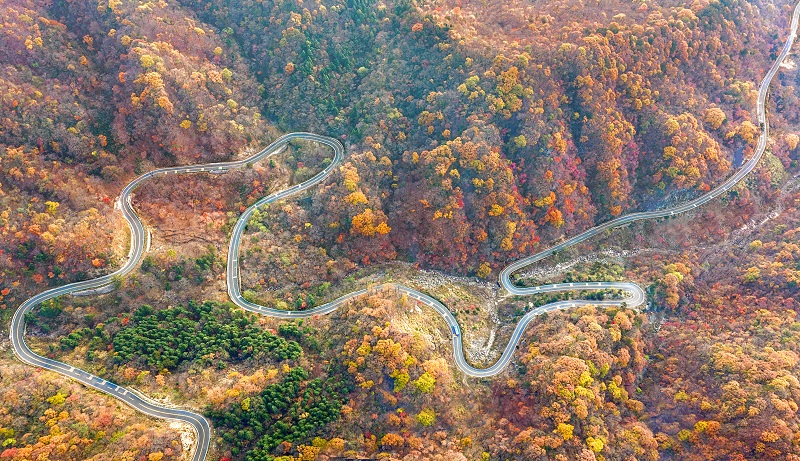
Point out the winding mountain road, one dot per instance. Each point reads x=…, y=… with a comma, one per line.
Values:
x=634, y=295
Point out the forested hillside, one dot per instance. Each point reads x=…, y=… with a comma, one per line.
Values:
x=476, y=133
x=540, y=122
x=463, y=158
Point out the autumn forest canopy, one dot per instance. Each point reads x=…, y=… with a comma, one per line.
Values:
x=482, y=155
x=476, y=133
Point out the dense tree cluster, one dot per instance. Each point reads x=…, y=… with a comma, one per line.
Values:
x=291, y=410
x=169, y=337
x=576, y=394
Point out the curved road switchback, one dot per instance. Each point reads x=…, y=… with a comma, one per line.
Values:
x=505, y=275
x=138, y=240
x=634, y=295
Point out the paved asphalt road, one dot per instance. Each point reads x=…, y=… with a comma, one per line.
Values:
x=634, y=295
